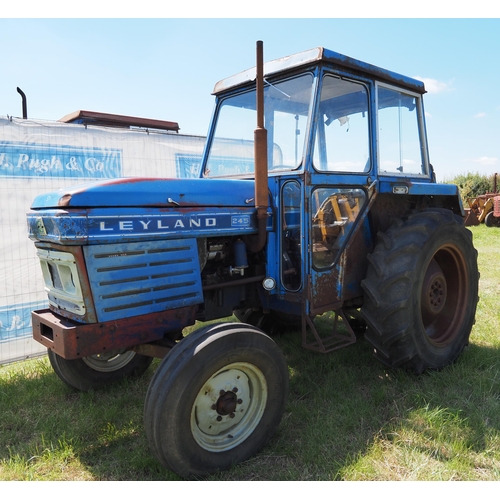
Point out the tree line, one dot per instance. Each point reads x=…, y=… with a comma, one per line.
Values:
x=472, y=185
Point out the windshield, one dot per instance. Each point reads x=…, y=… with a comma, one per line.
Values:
x=286, y=107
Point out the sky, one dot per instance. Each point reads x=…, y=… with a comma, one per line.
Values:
x=150, y=65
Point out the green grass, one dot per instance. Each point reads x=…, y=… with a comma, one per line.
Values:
x=347, y=418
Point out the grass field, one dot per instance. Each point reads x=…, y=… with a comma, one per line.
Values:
x=348, y=417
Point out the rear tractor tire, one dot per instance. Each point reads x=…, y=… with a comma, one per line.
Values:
x=216, y=399
x=95, y=372
x=421, y=291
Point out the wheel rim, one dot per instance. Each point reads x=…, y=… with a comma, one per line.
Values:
x=229, y=407
x=110, y=361
x=444, y=295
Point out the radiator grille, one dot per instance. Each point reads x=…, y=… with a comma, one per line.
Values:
x=130, y=279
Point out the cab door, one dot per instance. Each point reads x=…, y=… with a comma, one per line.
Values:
x=334, y=213
x=336, y=194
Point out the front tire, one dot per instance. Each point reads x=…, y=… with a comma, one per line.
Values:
x=491, y=221
x=216, y=399
x=421, y=291
x=94, y=372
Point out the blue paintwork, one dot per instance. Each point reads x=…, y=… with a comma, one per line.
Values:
x=148, y=192
x=105, y=212
x=107, y=225
x=418, y=188
x=424, y=188
x=131, y=279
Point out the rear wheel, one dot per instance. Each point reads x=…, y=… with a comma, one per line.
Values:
x=93, y=372
x=216, y=399
x=421, y=291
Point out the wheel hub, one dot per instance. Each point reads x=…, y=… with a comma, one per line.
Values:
x=226, y=404
x=434, y=292
x=228, y=407
x=437, y=294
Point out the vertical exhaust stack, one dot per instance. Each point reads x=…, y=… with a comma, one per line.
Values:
x=260, y=156
x=25, y=106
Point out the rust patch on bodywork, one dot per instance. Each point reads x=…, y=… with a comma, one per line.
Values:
x=72, y=340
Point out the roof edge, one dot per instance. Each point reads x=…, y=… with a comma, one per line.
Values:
x=108, y=119
x=314, y=56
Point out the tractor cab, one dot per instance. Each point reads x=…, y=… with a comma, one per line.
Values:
x=346, y=142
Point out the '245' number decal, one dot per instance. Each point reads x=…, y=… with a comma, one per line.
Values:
x=240, y=221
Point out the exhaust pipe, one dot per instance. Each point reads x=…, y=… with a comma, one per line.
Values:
x=25, y=107
x=260, y=157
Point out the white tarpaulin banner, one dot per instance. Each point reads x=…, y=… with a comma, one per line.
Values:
x=37, y=157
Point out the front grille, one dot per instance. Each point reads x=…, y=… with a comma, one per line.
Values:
x=130, y=279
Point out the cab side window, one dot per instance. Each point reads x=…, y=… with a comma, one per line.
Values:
x=400, y=151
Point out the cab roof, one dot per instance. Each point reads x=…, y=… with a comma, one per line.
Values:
x=316, y=56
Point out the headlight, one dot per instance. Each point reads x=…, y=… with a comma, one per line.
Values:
x=61, y=280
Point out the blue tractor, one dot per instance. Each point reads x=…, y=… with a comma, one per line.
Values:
x=316, y=195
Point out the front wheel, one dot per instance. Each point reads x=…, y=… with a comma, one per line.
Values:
x=491, y=221
x=216, y=399
x=421, y=291
x=94, y=372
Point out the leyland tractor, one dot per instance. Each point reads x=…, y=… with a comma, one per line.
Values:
x=316, y=197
